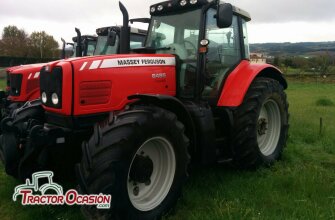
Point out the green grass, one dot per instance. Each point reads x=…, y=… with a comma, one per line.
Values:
x=2, y=78
x=301, y=186
x=324, y=102
x=2, y=84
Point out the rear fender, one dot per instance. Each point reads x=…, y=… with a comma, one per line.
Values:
x=240, y=79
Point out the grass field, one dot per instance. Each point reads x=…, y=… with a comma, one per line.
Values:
x=301, y=186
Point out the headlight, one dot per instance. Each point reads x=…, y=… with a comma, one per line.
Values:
x=153, y=9
x=160, y=7
x=54, y=99
x=44, y=97
x=183, y=2
x=193, y=2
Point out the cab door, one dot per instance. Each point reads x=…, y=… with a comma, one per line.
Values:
x=223, y=54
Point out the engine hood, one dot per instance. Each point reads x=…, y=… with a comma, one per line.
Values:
x=100, y=84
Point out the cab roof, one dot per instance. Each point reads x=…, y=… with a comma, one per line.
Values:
x=104, y=30
x=85, y=37
x=174, y=6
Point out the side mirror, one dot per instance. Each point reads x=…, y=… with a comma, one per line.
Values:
x=111, y=38
x=224, y=15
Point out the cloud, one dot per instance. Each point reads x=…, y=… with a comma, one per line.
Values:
x=262, y=11
x=78, y=10
x=291, y=32
x=271, y=20
x=270, y=11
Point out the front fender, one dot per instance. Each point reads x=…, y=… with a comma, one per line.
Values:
x=240, y=79
x=172, y=104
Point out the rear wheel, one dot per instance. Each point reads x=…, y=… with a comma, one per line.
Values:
x=261, y=125
x=140, y=160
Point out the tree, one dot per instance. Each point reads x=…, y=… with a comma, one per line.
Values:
x=42, y=45
x=325, y=62
x=288, y=62
x=276, y=61
x=14, y=42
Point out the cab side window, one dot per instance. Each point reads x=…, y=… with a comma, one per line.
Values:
x=223, y=52
x=246, y=39
x=91, y=48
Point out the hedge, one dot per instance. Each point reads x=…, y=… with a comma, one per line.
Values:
x=15, y=61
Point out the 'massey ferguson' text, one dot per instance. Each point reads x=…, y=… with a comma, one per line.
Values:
x=141, y=61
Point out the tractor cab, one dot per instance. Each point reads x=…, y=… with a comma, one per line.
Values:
x=206, y=47
x=67, y=49
x=88, y=44
x=109, y=38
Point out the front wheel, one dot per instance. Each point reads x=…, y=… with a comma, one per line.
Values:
x=261, y=125
x=140, y=160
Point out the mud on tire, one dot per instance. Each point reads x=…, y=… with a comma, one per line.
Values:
x=260, y=125
x=112, y=162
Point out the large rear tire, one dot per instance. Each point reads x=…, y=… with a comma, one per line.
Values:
x=140, y=160
x=260, y=125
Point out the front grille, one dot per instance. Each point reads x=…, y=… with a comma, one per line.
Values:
x=52, y=83
x=15, y=84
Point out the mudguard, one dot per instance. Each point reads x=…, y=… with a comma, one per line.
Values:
x=172, y=104
x=240, y=79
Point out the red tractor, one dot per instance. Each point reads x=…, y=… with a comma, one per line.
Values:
x=190, y=95
x=23, y=81
x=23, y=102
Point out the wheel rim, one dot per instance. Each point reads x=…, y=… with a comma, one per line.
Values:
x=268, y=127
x=146, y=195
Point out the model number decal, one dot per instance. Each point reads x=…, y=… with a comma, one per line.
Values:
x=158, y=75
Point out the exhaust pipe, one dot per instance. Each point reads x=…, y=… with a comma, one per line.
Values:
x=79, y=50
x=63, y=49
x=125, y=31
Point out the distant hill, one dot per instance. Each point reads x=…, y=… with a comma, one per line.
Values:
x=294, y=49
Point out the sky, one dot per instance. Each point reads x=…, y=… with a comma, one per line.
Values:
x=272, y=20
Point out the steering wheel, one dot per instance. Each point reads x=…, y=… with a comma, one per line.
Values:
x=192, y=45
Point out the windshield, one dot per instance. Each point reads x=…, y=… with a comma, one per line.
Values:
x=103, y=48
x=179, y=31
x=178, y=34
